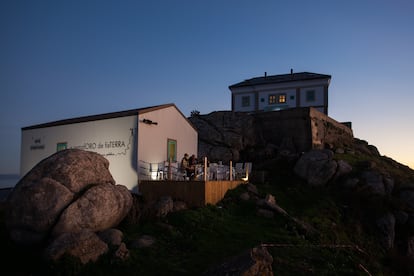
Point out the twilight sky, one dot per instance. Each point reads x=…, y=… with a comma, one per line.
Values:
x=64, y=59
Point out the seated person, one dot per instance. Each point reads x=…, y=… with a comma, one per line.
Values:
x=193, y=160
x=192, y=165
x=185, y=166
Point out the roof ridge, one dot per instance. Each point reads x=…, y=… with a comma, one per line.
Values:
x=288, y=77
x=101, y=116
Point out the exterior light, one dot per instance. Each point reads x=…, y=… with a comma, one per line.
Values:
x=149, y=122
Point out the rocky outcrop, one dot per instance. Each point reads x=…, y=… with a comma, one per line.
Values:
x=163, y=206
x=373, y=183
x=112, y=236
x=317, y=167
x=226, y=135
x=312, y=144
x=99, y=208
x=85, y=245
x=64, y=201
x=386, y=227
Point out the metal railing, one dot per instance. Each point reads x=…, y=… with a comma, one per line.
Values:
x=169, y=170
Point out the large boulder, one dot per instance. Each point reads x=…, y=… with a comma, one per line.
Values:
x=73, y=168
x=317, y=167
x=85, y=245
x=68, y=193
x=99, y=208
x=374, y=182
x=43, y=193
x=34, y=209
x=344, y=168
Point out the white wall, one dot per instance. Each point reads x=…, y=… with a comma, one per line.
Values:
x=124, y=141
x=238, y=102
x=264, y=90
x=115, y=139
x=171, y=124
x=319, y=96
x=265, y=96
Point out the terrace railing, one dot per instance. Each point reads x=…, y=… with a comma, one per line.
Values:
x=205, y=171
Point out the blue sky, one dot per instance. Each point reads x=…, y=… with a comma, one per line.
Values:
x=64, y=59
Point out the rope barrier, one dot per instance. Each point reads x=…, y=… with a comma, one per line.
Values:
x=356, y=247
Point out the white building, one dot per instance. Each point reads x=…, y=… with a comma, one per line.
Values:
x=134, y=141
x=278, y=92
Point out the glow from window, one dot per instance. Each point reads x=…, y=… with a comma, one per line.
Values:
x=277, y=98
x=154, y=175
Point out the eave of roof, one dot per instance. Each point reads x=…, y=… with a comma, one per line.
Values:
x=101, y=116
x=302, y=76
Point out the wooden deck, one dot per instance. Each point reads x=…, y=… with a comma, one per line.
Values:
x=194, y=193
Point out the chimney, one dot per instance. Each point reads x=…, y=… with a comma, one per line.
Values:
x=291, y=71
x=265, y=74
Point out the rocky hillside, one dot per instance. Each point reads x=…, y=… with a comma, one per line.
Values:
x=375, y=192
x=226, y=135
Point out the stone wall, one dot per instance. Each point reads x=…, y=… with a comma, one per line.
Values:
x=328, y=133
x=226, y=135
x=302, y=129
x=286, y=129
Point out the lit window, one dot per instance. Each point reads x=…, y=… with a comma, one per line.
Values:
x=245, y=101
x=278, y=98
x=310, y=95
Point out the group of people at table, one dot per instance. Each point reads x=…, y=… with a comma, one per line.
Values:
x=191, y=169
x=188, y=165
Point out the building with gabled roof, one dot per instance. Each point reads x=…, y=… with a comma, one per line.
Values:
x=134, y=141
x=278, y=92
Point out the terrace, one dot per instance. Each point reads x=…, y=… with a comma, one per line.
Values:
x=208, y=186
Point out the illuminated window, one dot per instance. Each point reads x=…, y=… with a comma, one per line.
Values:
x=310, y=95
x=172, y=150
x=278, y=98
x=245, y=101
